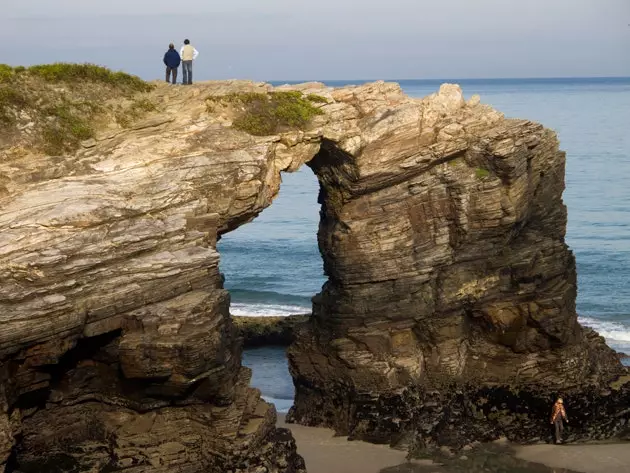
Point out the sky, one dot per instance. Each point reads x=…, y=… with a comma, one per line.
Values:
x=327, y=39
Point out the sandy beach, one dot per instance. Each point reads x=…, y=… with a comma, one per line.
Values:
x=601, y=458
x=326, y=453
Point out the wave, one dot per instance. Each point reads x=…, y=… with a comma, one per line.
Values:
x=268, y=303
x=617, y=334
x=268, y=297
x=282, y=405
x=267, y=310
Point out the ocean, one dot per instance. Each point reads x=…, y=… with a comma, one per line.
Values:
x=273, y=266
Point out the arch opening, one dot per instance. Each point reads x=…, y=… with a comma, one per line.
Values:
x=272, y=268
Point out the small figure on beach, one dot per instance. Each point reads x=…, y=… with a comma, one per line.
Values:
x=558, y=414
x=172, y=61
x=188, y=54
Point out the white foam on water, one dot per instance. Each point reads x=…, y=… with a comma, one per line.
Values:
x=282, y=405
x=617, y=335
x=266, y=310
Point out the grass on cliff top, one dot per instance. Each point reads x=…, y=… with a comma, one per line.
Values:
x=263, y=114
x=58, y=105
x=68, y=72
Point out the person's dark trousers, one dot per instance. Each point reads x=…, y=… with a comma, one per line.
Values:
x=187, y=70
x=169, y=71
x=559, y=430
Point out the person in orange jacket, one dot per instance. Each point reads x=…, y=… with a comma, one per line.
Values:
x=558, y=414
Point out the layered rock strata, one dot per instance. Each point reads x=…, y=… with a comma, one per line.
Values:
x=449, y=313
x=450, y=285
x=266, y=331
x=117, y=349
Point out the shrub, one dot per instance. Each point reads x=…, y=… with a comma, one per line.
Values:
x=126, y=116
x=6, y=73
x=316, y=98
x=10, y=98
x=257, y=124
x=291, y=108
x=66, y=129
x=143, y=105
x=266, y=114
x=61, y=117
x=66, y=72
x=245, y=98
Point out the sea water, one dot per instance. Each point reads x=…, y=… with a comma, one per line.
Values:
x=273, y=266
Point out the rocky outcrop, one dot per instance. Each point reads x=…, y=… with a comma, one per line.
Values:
x=117, y=349
x=449, y=313
x=450, y=283
x=265, y=331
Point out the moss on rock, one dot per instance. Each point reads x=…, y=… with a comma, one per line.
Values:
x=263, y=114
x=481, y=173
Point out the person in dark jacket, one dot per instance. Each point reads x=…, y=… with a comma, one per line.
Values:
x=172, y=60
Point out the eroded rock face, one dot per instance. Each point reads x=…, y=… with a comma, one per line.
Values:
x=450, y=285
x=116, y=345
x=443, y=238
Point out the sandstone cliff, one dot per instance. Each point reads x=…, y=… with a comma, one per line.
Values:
x=451, y=289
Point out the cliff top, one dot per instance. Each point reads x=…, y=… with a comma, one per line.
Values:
x=60, y=119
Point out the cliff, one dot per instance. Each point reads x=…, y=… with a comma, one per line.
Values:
x=442, y=233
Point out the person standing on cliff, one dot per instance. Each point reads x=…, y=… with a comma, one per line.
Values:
x=171, y=61
x=188, y=54
x=558, y=414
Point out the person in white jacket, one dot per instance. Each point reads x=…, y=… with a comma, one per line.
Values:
x=188, y=54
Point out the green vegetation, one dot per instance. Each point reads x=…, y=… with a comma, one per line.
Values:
x=316, y=98
x=65, y=102
x=265, y=114
x=481, y=173
x=10, y=98
x=6, y=73
x=126, y=116
x=243, y=98
x=65, y=129
x=620, y=382
x=65, y=72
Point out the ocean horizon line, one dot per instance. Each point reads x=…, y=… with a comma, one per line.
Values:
x=477, y=79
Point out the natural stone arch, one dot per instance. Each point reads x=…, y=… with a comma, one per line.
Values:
x=119, y=240
x=450, y=283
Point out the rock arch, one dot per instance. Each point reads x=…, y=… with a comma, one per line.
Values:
x=449, y=313
x=442, y=235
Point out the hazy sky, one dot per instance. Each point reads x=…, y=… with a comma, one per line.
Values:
x=327, y=39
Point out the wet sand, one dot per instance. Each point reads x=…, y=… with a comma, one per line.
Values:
x=325, y=453
x=601, y=458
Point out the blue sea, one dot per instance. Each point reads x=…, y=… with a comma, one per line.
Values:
x=273, y=266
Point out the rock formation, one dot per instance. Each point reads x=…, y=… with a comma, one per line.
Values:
x=449, y=310
x=265, y=331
